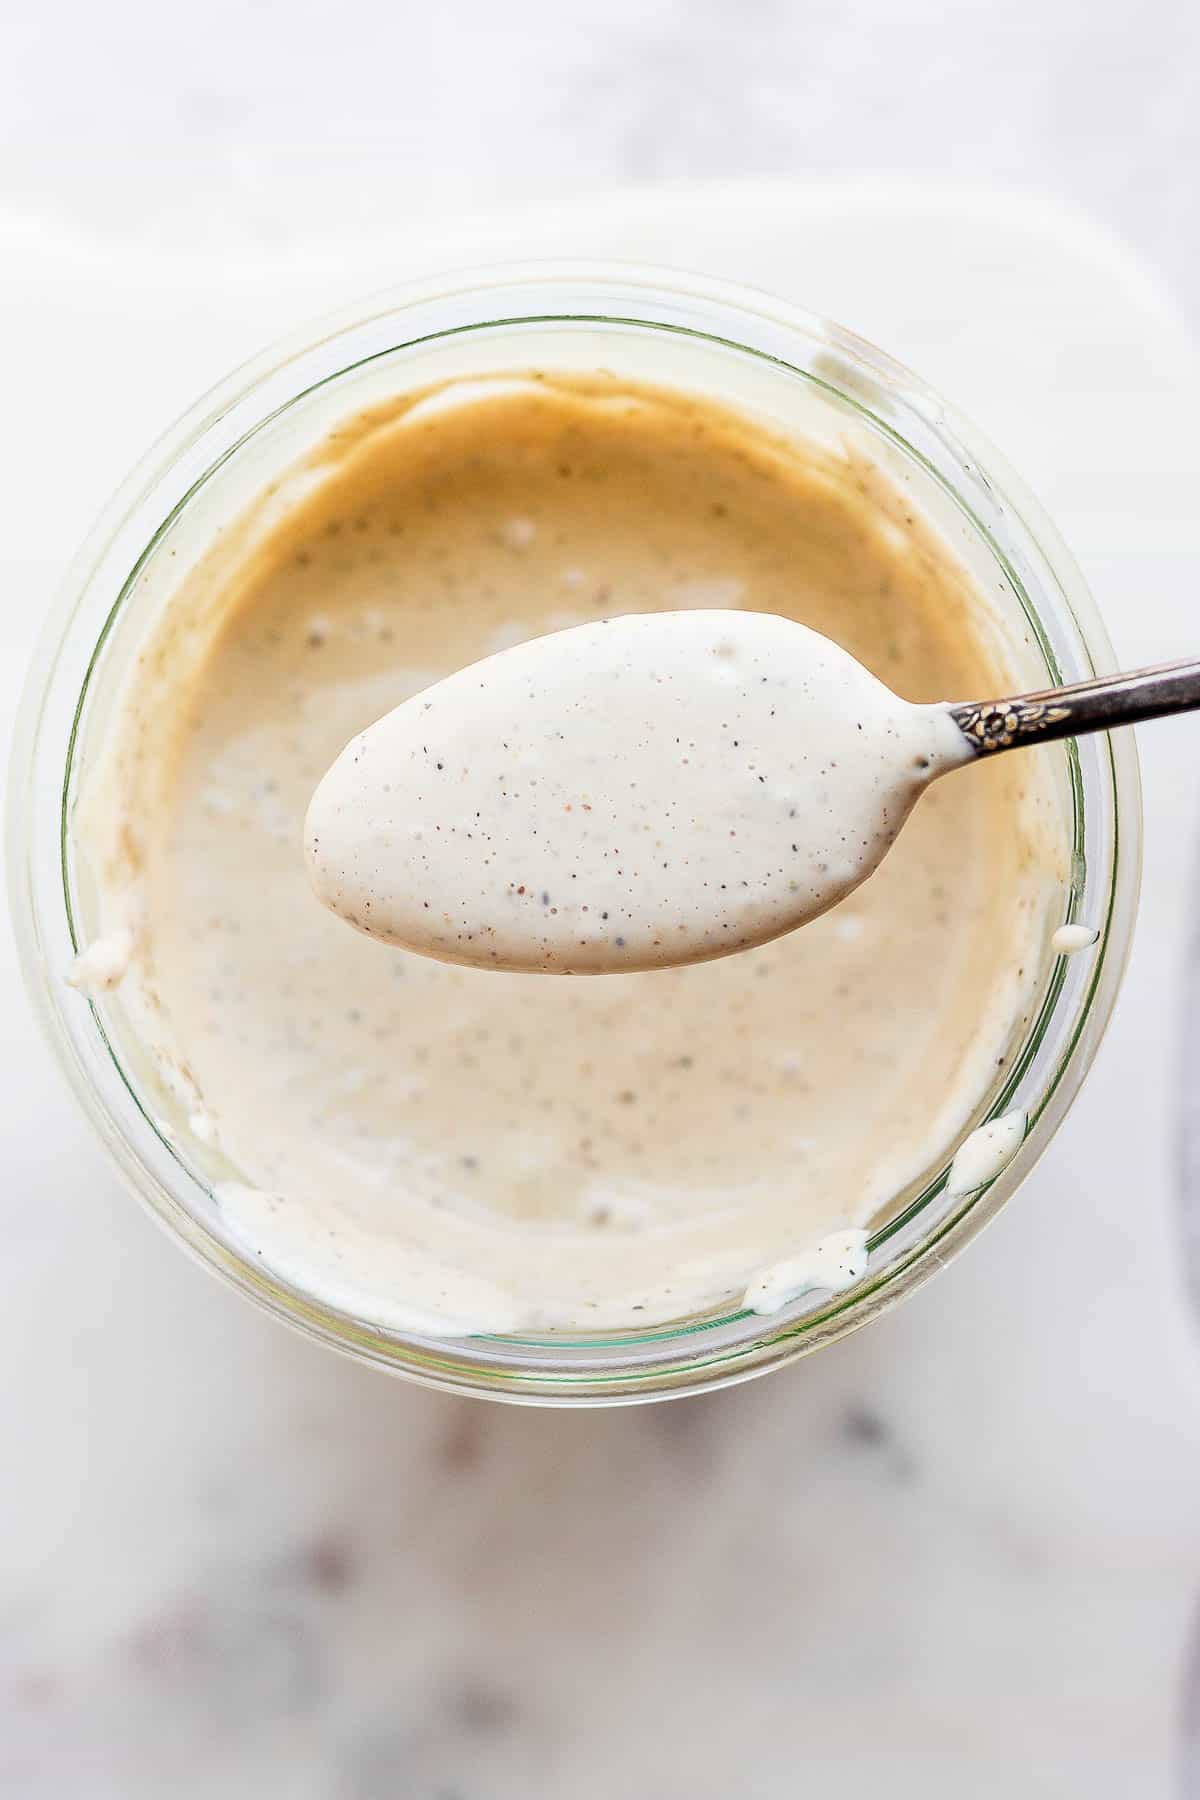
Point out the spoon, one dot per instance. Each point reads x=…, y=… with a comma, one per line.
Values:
x=653, y=790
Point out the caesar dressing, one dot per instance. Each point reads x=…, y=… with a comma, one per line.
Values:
x=630, y=794
x=461, y=1149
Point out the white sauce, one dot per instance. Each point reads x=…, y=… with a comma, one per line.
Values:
x=362, y=1272
x=835, y=1263
x=988, y=1151
x=630, y=794
x=1069, y=939
x=443, y=1148
x=102, y=966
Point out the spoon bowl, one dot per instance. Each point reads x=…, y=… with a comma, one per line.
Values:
x=629, y=794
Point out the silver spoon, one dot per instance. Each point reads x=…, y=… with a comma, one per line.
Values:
x=653, y=790
x=1099, y=705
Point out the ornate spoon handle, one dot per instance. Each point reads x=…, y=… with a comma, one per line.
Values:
x=1088, y=706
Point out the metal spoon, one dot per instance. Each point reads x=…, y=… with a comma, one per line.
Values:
x=653, y=790
x=1099, y=705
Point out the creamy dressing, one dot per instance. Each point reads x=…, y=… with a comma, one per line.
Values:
x=986, y=1153
x=1068, y=940
x=447, y=1148
x=103, y=964
x=834, y=1264
x=629, y=794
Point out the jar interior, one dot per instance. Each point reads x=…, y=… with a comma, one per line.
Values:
x=837, y=403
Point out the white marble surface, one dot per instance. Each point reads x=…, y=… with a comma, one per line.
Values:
x=954, y=1555
x=272, y=124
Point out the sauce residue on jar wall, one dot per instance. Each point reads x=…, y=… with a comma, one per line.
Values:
x=415, y=1141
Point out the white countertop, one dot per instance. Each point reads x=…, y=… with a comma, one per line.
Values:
x=228, y=126
x=955, y=1555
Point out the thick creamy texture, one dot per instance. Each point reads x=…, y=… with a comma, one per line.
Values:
x=835, y=1263
x=1068, y=940
x=989, y=1150
x=435, y=1146
x=637, y=793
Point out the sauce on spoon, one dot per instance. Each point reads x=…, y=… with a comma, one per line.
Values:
x=629, y=794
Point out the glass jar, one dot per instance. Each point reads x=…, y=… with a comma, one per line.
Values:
x=808, y=378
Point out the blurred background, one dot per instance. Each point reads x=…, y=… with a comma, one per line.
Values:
x=224, y=125
x=957, y=1554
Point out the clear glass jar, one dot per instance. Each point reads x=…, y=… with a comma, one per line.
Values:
x=811, y=379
